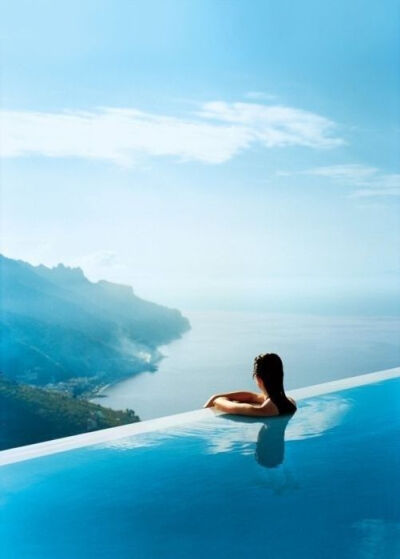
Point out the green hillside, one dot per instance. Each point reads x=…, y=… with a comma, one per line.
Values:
x=30, y=415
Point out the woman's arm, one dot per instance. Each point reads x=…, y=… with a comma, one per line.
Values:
x=238, y=408
x=240, y=396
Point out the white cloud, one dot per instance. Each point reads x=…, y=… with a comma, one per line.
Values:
x=380, y=184
x=353, y=173
x=218, y=132
x=370, y=181
x=276, y=125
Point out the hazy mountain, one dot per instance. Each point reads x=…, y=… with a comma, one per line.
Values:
x=30, y=415
x=57, y=325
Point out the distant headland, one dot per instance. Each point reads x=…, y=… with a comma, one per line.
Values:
x=63, y=338
x=60, y=330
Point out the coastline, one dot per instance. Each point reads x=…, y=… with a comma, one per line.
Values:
x=98, y=391
x=205, y=360
x=94, y=388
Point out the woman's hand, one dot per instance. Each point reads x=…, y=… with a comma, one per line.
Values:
x=210, y=401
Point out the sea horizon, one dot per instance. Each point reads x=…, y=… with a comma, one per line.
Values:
x=217, y=354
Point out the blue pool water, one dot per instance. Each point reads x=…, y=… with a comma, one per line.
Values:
x=323, y=484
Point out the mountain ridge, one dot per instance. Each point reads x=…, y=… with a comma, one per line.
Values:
x=58, y=326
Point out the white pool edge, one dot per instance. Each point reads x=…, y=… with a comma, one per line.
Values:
x=104, y=435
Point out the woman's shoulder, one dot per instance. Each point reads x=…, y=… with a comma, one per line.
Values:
x=269, y=408
x=281, y=409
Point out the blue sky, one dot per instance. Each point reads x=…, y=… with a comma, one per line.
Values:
x=208, y=153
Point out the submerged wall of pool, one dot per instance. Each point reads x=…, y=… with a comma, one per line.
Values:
x=322, y=484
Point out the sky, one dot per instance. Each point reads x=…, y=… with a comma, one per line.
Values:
x=212, y=154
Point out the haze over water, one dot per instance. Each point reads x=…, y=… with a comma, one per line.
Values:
x=214, y=151
x=217, y=355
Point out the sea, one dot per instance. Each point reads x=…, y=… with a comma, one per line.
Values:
x=217, y=355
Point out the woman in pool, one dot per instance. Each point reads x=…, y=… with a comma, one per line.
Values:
x=272, y=400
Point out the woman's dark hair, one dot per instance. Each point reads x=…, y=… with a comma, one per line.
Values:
x=269, y=368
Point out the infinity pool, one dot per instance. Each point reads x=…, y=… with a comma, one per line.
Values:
x=323, y=484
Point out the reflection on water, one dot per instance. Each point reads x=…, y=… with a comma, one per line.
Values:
x=269, y=439
x=323, y=486
x=267, y=443
x=261, y=439
x=238, y=433
x=317, y=416
x=269, y=452
x=270, y=448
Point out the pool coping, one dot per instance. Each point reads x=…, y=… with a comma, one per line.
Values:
x=64, y=444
